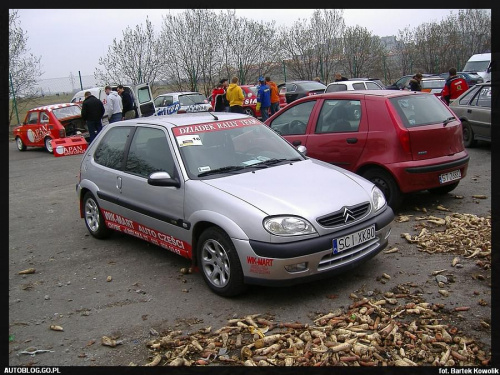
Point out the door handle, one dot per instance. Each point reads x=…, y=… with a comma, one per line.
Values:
x=469, y=111
x=296, y=143
x=119, y=183
x=352, y=140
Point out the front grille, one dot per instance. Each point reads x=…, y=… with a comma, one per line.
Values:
x=345, y=215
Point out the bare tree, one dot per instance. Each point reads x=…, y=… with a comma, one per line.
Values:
x=134, y=59
x=362, y=52
x=24, y=67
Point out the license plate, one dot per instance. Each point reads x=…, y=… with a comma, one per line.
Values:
x=353, y=239
x=450, y=176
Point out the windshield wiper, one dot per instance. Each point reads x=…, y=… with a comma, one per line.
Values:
x=229, y=168
x=448, y=120
x=272, y=162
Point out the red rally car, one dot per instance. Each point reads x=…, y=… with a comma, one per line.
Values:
x=47, y=123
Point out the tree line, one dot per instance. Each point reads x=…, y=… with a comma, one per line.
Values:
x=195, y=49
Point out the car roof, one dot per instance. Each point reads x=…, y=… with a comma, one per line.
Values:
x=179, y=93
x=357, y=93
x=173, y=120
x=51, y=107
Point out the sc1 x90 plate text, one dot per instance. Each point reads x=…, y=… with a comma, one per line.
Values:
x=353, y=239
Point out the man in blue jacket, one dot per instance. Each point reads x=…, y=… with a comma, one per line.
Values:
x=264, y=98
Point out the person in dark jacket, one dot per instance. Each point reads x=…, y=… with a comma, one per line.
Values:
x=339, y=77
x=127, y=104
x=92, y=112
x=415, y=84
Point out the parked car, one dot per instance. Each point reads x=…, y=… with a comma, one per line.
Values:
x=233, y=196
x=376, y=80
x=402, y=141
x=250, y=102
x=432, y=84
x=43, y=124
x=403, y=82
x=141, y=94
x=353, y=85
x=298, y=89
x=471, y=78
x=181, y=102
x=481, y=64
x=473, y=108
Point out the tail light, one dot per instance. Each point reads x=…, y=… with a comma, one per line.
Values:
x=401, y=131
x=181, y=111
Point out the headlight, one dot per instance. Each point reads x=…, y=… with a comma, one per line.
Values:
x=288, y=226
x=378, y=198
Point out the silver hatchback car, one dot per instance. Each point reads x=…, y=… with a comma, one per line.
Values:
x=233, y=196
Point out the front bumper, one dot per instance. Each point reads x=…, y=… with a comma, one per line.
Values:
x=264, y=263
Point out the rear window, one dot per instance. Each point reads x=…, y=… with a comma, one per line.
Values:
x=433, y=84
x=190, y=99
x=313, y=86
x=336, y=87
x=64, y=112
x=418, y=110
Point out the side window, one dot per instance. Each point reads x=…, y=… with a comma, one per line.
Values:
x=32, y=118
x=143, y=95
x=149, y=152
x=372, y=86
x=338, y=116
x=111, y=148
x=294, y=120
x=336, y=87
x=358, y=86
x=467, y=97
x=44, y=118
x=484, y=97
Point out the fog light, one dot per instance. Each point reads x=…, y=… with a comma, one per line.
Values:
x=298, y=267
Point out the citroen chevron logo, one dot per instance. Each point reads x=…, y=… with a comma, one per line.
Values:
x=348, y=215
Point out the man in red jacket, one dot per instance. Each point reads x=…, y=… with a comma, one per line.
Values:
x=454, y=86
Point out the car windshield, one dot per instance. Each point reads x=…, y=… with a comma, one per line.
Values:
x=312, y=86
x=189, y=99
x=64, y=112
x=216, y=149
x=476, y=66
x=418, y=110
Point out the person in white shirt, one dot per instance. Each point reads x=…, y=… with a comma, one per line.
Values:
x=113, y=105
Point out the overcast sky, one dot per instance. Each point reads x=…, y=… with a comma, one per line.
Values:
x=73, y=40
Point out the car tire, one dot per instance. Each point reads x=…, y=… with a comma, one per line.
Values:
x=385, y=182
x=249, y=112
x=468, y=134
x=443, y=189
x=93, y=217
x=48, y=145
x=219, y=263
x=20, y=144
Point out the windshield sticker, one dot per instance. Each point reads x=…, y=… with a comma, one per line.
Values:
x=189, y=140
x=214, y=126
x=168, y=110
x=204, y=169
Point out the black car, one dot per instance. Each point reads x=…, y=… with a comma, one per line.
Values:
x=299, y=89
x=470, y=77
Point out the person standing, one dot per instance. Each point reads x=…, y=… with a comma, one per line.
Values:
x=263, y=99
x=415, y=82
x=454, y=86
x=235, y=96
x=219, y=98
x=275, y=96
x=225, y=84
x=339, y=77
x=113, y=105
x=92, y=112
x=128, y=105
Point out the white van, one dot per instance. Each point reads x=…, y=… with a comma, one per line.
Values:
x=141, y=94
x=480, y=64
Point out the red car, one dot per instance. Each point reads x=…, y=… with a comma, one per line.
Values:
x=250, y=102
x=402, y=141
x=43, y=124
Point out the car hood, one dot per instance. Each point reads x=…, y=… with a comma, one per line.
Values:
x=308, y=188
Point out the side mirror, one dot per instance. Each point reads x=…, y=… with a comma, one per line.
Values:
x=302, y=149
x=163, y=179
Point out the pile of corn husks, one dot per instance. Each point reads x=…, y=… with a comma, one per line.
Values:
x=369, y=333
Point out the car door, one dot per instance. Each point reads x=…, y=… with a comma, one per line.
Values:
x=339, y=133
x=158, y=211
x=294, y=120
x=479, y=113
x=33, y=131
x=144, y=100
